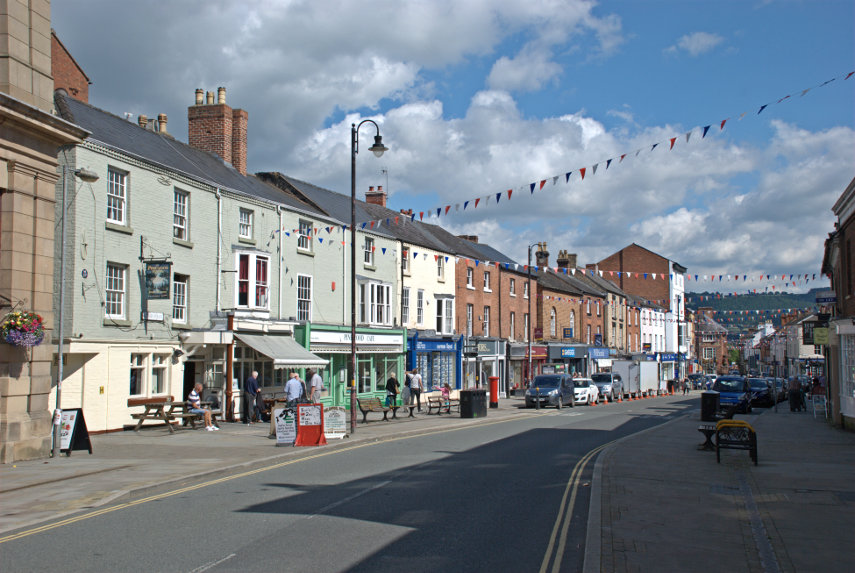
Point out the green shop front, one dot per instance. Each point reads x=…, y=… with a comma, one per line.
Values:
x=380, y=352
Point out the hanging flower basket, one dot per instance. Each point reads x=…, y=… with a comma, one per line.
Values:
x=22, y=328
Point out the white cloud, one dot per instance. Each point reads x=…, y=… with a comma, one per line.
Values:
x=528, y=71
x=695, y=44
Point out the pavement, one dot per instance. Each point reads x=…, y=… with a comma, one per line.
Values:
x=663, y=505
x=657, y=502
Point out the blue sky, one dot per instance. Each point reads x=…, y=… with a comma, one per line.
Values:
x=479, y=97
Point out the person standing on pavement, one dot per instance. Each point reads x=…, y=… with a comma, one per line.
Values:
x=195, y=402
x=406, y=394
x=293, y=390
x=250, y=394
x=392, y=390
x=794, y=391
x=416, y=387
x=317, y=385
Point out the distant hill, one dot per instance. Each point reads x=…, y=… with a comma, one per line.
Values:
x=770, y=305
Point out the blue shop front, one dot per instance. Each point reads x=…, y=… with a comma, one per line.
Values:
x=437, y=358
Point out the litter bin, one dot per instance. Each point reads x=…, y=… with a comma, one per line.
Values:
x=709, y=405
x=473, y=403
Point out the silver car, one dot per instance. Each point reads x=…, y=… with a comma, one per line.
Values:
x=609, y=384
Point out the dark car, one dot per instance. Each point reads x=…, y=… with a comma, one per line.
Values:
x=762, y=393
x=781, y=388
x=550, y=390
x=733, y=390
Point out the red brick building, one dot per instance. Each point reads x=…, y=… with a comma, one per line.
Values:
x=67, y=73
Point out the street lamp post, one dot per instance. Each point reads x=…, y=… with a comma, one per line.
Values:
x=89, y=177
x=530, y=325
x=378, y=148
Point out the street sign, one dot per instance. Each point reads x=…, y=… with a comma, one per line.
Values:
x=825, y=296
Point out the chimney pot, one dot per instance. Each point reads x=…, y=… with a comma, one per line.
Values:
x=161, y=121
x=142, y=121
x=209, y=98
x=221, y=95
x=200, y=96
x=371, y=188
x=380, y=188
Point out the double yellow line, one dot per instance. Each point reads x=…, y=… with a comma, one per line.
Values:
x=558, y=539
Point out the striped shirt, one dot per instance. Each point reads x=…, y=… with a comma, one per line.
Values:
x=193, y=398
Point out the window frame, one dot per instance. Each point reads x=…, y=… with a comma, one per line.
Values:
x=179, y=298
x=122, y=208
x=420, y=307
x=120, y=293
x=253, y=285
x=246, y=227
x=487, y=282
x=180, y=214
x=512, y=287
x=405, y=305
x=368, y=252
x=440, y=268
x=486, y=322
x=304, y=305
x=470, y=278
x=305, y=239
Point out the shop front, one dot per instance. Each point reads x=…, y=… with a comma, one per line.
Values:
x=600, y=359
x=439, y=359
x=568, y=359
x=668, y=365
x=490, y=360
x=380, y=352
x=518, y=375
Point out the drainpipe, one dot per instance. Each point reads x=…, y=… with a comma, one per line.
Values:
x=219, y=248
x=281, y=256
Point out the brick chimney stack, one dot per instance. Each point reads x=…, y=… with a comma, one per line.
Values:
x=470, y=238
x=376, y=197
x=217, y=128
x=566, y=260
x=542, y=255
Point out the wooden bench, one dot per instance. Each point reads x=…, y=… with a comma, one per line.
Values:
x=735, y=435
x=440, y=404
x=187, y=416
x=367, y=405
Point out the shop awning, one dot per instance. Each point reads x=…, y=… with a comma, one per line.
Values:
x=284, y=350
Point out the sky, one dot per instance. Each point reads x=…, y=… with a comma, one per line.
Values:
x=477, y=98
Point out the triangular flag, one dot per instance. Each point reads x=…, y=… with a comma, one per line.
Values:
x=621, y=157
x=476, y=202
x=465, y=204
x=608, y=162
x=509, y=193
x=582, y=171
x=706, y=129
x=673, y=140
x=566, y=178
x=447, y=207
x=594, y=169
x=762, y=107
x=533, y=185
x=498, y=196
x=383, y=249
x=722, y=124
x=688, y=135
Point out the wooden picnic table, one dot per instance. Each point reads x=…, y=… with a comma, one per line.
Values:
x=170, y=412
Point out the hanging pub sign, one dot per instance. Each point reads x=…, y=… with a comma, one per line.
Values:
x=157, y=279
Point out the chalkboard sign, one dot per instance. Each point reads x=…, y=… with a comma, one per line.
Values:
x=73, y=434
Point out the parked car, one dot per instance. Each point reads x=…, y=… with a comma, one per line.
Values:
x=550, y=390
x=586, y=392
x=733, y=390
x=697, y=381
x=762, y=393
x=609, y=384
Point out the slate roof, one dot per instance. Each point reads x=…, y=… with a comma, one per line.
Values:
x=707, y=324
x=407, y=230
x=164, y=150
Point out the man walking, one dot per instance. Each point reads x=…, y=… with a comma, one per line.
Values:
x=416, y=388
x=317, y=385
x=250, y=395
